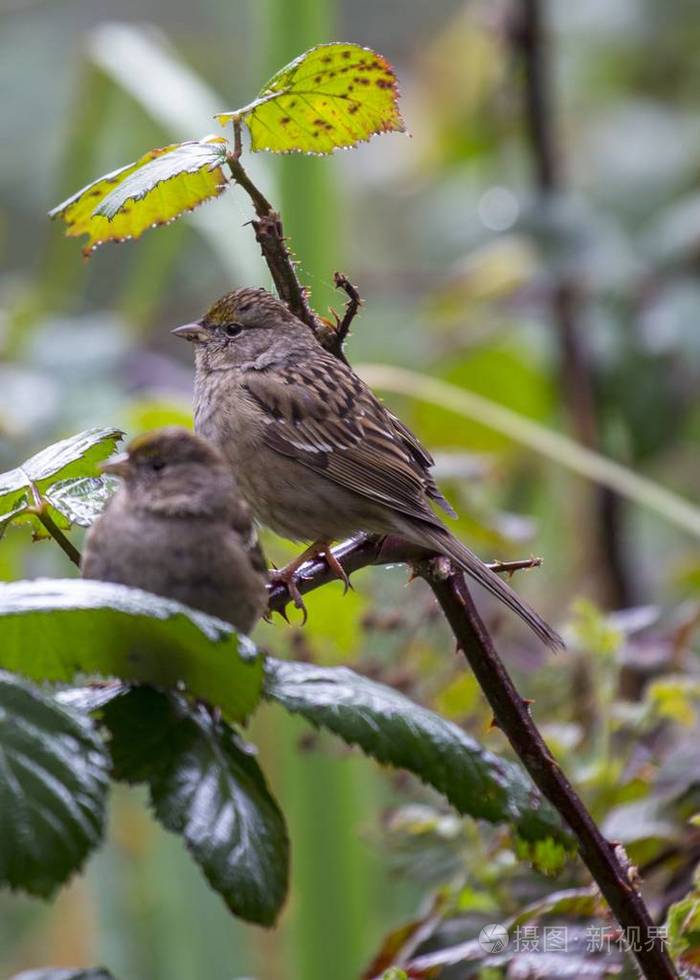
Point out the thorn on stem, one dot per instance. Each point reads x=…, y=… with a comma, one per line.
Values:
x=351, y=307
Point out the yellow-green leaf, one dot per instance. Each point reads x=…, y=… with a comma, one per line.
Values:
x=334, y=95
x=158, y=187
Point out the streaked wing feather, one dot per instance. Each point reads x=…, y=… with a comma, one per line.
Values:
x=425, y=461
x=412, y=442
x=326, y=418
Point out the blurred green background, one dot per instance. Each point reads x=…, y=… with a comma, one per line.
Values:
x=573, y=302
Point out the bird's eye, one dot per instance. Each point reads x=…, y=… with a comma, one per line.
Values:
x=232, y=329
x=157, y=464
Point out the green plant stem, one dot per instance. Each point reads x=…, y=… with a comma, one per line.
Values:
x=336, y=901
x=56, y=533
x=39, y=510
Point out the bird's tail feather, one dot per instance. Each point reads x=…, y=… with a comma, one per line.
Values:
x=446, y=543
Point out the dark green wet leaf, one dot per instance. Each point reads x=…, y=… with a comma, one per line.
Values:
x=683, y=924
x=92, y=697
x=572, y=903
x=205, y=785
x=53, y=788
x=398, y=732
x=55, y=629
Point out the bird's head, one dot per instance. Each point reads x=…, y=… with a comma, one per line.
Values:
x=172, y=469
x=241, y=326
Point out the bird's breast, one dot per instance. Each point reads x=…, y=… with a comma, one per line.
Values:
x=224, y=414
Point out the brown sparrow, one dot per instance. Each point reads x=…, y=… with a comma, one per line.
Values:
x=177, y=526
x=315, y=453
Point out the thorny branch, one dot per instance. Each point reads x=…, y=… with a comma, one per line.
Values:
x=367, y=550
x=342, y=327
x=511, y=711
x=269, y=235
x=604, y=859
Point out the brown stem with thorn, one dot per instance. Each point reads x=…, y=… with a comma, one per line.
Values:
x=606, y=863
x=365, y=550
x=270, y=237
x=512, y=714
x=237, y=139
x=352, y=306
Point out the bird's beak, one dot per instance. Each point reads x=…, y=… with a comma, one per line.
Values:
x=116, y=466
x=194, y=332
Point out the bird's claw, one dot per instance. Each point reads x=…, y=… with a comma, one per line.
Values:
x=338, y=569
x=287, y=577
x=282, y=612
x=297, y=600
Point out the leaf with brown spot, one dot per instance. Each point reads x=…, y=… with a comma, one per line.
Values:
x=163, y=184
x=335, y=95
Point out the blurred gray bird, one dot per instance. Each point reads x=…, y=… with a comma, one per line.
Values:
x=177, y=526
x=316, y=454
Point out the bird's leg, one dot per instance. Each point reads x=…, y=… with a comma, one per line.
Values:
x=287, y=575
